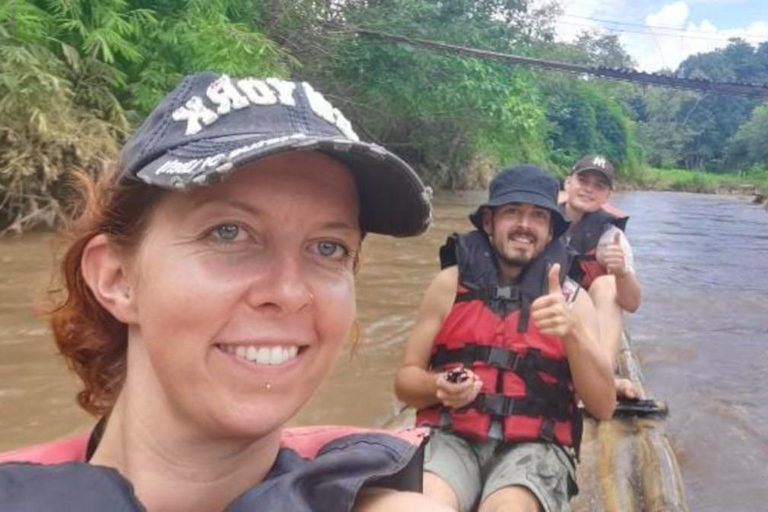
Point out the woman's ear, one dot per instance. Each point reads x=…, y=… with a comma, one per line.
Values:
x=104, y=270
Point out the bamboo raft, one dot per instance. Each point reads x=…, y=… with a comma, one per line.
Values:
x=627, y=463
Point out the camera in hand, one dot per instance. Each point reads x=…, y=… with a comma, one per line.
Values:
x=457, y=375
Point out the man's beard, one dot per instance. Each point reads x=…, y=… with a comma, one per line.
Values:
x=513, y=261
x=516, y=260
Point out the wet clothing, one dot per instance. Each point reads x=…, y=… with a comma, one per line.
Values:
x=329, y=479
x=476, y=469
x=527, y=392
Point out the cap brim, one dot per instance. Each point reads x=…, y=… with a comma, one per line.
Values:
x=560, y=225
x=599, y=171
x=393, y=199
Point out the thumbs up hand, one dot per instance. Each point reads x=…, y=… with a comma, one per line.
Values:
x=613, y=257
x=550, y=313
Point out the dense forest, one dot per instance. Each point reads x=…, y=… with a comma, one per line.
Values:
x=77, y=75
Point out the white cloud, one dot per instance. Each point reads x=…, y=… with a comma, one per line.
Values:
x=575, y=13
x=668, y=48
x=668, y=36
x=671, y=15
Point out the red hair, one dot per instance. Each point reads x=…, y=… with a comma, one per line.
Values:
x=92, y=341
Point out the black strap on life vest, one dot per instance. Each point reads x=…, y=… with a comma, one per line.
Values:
x=499, y=405
x=498, y=357
x=95, y=437
x=501, y=293
x=551, y=401
x=502, y=300
x=479, y=273
x=577, y=431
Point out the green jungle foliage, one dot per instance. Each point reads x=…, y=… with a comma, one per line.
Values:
x=681, y=129
x=455, y=119
x=76, y=76
x=752, y=181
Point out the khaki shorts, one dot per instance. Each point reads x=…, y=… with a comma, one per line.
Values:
x=476, y=469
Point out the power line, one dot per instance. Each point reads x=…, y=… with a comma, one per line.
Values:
x=659, y=34
x=615, y=22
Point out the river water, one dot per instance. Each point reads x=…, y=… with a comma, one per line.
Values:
x=701, y=334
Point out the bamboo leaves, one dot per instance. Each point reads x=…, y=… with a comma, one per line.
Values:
x=75, y=75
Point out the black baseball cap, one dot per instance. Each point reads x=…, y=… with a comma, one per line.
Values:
x=211, y=124
x=524, y=184
x=597, y=163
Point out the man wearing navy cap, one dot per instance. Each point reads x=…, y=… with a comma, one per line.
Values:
x=502, y=346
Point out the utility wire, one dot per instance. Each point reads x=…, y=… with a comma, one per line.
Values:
x=661, y=34
x=652, y=27
x=628, y=75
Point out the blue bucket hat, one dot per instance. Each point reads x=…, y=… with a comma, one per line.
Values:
x=210, y=125
x=524, y=184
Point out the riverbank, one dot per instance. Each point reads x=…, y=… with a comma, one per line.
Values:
x=680, y=180
x=648, y=179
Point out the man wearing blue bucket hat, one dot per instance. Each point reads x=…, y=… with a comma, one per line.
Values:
x=502, y=346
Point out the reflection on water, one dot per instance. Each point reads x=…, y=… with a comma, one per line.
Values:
x=702, y=334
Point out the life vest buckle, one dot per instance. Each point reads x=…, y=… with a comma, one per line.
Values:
x=547, y=432
x=494, y=404
x=503, y=358
x=506, y=293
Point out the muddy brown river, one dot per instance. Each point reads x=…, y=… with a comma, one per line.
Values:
x=701, y=334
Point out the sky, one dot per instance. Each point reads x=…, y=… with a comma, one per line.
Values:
x=660, y=34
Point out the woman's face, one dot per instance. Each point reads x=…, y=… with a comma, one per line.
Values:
x=244, y=293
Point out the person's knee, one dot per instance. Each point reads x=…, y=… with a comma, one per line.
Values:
x=379, y=500
x=519, y=499
x=439, y=490
x=603, y=288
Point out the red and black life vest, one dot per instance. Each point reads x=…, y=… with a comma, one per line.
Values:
x=527, y=392
x=583, y=240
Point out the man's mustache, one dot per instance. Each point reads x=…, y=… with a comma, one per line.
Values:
x=523, y=232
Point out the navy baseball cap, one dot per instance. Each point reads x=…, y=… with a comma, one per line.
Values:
x=211, y=124
x=524, y=184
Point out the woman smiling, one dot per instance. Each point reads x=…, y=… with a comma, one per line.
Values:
x=209, y=287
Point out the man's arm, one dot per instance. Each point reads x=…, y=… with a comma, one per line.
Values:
x=415, y=384
x=628, y=292
x=617, y=258
x=576, y=324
